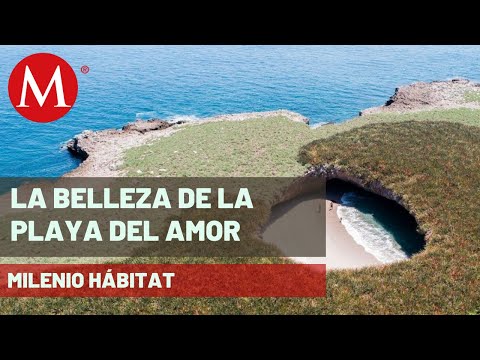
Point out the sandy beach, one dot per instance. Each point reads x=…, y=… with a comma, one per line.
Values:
x=342, y=251
x=301, y=217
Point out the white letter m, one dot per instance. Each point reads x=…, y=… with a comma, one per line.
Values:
x=28, y=79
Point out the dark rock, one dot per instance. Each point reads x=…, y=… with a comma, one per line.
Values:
x=143, y=126
x=75, y=149
x=392, y=98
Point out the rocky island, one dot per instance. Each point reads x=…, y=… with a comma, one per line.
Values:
x=416, y=149
x=104, y=148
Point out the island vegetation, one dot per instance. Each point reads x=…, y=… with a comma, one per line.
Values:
x=430, y=160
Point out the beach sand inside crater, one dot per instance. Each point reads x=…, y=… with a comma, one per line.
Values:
x=301, y=217
x=342, y=250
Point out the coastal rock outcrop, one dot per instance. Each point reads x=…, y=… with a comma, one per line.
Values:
x=421, y=96
x=82, y=145
x=145, y=126
x=102, y=150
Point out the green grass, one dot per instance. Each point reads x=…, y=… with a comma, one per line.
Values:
x=257, y=147
x=472, y=96
x=248, y=148
x=435, y=165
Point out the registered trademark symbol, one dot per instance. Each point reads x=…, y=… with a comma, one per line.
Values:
x=85, y=69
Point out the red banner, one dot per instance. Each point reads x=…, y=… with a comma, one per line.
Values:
x=162, y=280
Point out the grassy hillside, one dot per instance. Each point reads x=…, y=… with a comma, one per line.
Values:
x=436, y=165
x=257, y=147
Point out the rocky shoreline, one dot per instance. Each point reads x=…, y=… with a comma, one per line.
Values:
x=436, y=95
x=101, y=150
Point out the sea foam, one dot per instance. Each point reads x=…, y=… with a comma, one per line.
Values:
x=146, y=115
x=370, y=235
x=187, y=118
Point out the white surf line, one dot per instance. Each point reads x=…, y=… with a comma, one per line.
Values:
x=373, y=238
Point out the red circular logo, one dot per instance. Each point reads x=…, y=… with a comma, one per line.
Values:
x=43, y=87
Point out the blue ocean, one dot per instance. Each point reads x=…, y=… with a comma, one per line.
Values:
x=324, y=83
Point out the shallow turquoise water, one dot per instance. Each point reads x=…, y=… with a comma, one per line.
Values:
x=325, y=83
x=382, y=227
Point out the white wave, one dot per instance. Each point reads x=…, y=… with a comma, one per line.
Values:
x=146, y=115
x=187, y=118
x=320, y=124
x=374, y=238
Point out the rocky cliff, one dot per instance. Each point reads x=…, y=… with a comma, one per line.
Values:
x=436, y=95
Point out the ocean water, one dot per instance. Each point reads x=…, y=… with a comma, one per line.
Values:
x=383, y=228
x=324, y=83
